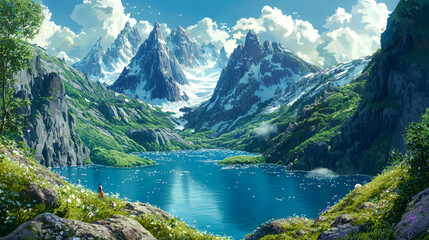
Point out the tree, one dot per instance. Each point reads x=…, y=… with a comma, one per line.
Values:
x=20, y=21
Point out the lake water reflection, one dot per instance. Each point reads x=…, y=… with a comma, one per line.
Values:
x=225, y=200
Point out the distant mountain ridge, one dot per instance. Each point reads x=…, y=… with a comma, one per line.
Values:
x=106, y=66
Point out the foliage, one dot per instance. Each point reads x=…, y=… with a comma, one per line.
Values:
x=173, y=229
x=75, y=202
x=20, y=21
x=114, y=158
x=241, y=160
x=379, y=205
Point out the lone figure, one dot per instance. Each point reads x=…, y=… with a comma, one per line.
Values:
x=100, y=191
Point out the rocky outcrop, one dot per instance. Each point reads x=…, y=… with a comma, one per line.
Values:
x=51, y=130
x=271, y=228
x=396, y=93
x=43, y=195
x=154, y=73
x=340, y=232
x=50, y=226
x=415, y=222
x=138, y=209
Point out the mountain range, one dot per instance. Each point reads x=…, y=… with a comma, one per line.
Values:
x=263, y=98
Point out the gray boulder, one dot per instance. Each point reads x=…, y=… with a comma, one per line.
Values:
x=43, y=195
x=50, y=226
x=271, y=228
x=342, y=220
x=415, y=222
x=138, y=209
x=339, y=232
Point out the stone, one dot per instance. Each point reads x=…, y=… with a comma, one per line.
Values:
x=339, y=232
x=321, y=219
x=415, y=222
x=368, y=205
x=43, y=195
x=50, y=226
x=274, y=227
x=301, y=233
x=342, y=219
x=138, y=209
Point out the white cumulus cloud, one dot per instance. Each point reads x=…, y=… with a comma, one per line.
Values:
x=347, y=35
x=355, y=34
x=207, y=31
x=339, y=18
x=297, y=35
x=98, y=18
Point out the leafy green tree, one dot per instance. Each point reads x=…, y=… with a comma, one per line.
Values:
x=20, y=21
x=417, y=142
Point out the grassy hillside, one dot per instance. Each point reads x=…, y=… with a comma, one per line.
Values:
x=111, y=121
x=241, y=160
x=18, y=172
x=114, y=158
x=379, y=205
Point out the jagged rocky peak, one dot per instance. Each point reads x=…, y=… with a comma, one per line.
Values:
x=187, y=51
x=92, y=63
x=252, y=46
x=222, y=58
x=270, y=47
x=123, y=49
x=154, y=74
x=254, y=74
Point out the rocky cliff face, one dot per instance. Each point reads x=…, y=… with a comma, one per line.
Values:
x=154, y=74
x=393, y=91
x=255, y=74
x=52, y=130
x=396, y=93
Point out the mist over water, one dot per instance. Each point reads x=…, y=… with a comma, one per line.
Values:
x=225, y=200
x=321, y=173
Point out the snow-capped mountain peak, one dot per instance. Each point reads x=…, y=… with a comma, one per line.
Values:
x=106, y=67
x=186, y=49
x=154, y=74
x=92, y=63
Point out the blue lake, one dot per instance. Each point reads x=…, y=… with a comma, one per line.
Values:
x=225, y=200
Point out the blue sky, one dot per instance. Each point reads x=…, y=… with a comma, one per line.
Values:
x=188, y=12
x=321, y=32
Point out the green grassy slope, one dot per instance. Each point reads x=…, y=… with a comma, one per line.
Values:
x=17, y=171
x=112, y=121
